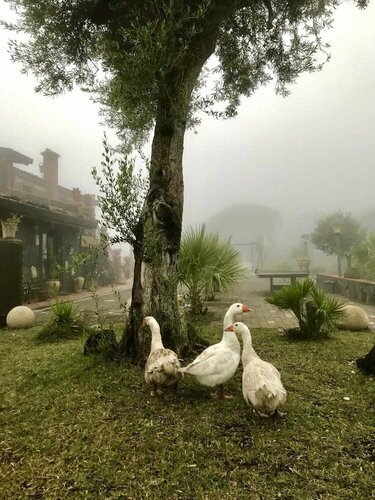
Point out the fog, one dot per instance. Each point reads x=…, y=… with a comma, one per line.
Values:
x=308, y=154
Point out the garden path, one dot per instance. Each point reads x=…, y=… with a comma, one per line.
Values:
x=263, y=315
x=252, y=292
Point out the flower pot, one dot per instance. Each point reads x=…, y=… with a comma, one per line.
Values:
x=304, y=264
x=77, y=283
x=9, y=229
x=52, y=287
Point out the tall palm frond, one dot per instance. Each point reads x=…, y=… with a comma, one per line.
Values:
x=206, y=264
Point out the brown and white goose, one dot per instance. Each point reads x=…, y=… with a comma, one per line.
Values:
x=162, y=365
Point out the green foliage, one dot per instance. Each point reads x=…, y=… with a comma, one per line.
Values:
x=77, y=261
x=75, y=267
x=315, y=311
x=207, y=265
x=64, y=323
x=364, y=254
x=64, y=312
x=324, y=238
x=102, y=316
x=53, y=269
x=146, y=50
x=102, y=343
x=12, y=219
x=122, y=193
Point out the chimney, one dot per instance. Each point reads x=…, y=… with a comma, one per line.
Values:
x=50, y=171
x=89, y=201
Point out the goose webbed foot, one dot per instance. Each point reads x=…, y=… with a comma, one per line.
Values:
x=220, y=394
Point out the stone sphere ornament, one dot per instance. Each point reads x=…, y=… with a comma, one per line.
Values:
x=21, y=317
x=354, y=319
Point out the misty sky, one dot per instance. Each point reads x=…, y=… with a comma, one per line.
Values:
x=313, y=151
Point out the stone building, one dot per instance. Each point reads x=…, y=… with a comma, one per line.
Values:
x=56, y=222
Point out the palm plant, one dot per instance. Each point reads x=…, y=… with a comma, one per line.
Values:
x=63, y=324
x=316, y=312
x=64, y=312
x=207, y=265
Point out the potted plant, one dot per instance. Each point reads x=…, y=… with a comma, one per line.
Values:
x=304, y=263
x=53, y=282
x=9, y=226
x=78, y=279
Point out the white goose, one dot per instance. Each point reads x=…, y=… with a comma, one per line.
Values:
x=218, y=363
x=261, y=383
x=162, y=365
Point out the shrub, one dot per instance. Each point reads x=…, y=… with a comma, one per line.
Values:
x=64, y=322
x=207, y=265
x=353, y=273
x=103, y=343
x=315, y=311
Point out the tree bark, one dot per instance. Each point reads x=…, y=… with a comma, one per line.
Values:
x=132, y=343
x=166, y=197
x=160, y=241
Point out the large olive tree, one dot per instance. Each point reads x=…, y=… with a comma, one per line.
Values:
x=144, y=60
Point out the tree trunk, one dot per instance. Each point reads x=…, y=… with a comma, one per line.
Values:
x=132, y=343
x=166, y=197
x=348, y=257
x=163, y=230
x=160, y=240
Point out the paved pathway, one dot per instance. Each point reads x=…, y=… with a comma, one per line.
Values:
x=84, y=301
x=264, y=315
x=252, y=293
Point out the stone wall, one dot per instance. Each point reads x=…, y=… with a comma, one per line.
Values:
x=357, y=290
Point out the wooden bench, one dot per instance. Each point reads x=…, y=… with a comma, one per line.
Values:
x=291, y=275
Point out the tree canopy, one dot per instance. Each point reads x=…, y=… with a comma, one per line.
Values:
x=351, y=234
x=128, y=54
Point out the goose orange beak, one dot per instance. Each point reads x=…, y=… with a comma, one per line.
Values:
x=246, y=309
x=229, y=329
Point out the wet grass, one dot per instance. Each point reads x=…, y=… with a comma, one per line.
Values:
x=76, y=427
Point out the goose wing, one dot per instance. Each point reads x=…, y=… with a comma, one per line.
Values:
x=202, y=357
x=212, y=361
x=261, y=382
x=162, y=367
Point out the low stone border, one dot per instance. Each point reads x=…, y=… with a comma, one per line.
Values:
x=357, y=290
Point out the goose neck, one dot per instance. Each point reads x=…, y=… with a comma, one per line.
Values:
x=156, y=342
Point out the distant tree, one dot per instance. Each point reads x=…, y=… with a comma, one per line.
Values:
x=245, y=224
x=325, y=239
x=364, y=254
x=144, y=60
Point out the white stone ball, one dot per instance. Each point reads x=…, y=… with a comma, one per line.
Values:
x=21, y=317
x=354, y=319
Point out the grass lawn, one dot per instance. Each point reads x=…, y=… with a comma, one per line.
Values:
x=76, y=427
